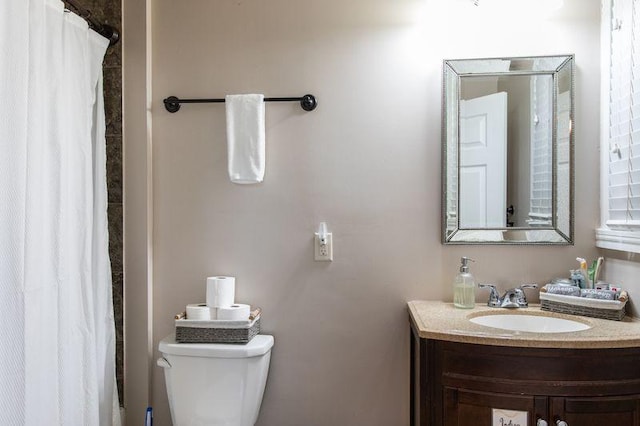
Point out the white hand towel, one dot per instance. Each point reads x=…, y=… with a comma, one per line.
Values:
x=245, y=138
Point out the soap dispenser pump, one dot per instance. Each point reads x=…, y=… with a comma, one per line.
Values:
x=464, y=286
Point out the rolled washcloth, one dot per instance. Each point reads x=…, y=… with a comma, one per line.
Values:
x=599, y=294
x=624, y=296
x=565, y=290
x=254, y=314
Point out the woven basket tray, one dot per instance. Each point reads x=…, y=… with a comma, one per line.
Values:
x=605, y=309
x=216, y=331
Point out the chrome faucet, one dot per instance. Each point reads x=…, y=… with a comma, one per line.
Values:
x=512, y=298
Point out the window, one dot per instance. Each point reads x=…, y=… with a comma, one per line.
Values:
x=620, y=126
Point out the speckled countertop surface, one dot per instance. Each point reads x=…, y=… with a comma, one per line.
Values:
x=442, y=321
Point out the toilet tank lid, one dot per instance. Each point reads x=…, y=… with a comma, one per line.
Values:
x=259, y=345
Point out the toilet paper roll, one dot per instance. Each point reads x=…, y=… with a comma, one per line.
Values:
x=213, y=313
x=234, y=312
x=198, y=311
x=221, y=291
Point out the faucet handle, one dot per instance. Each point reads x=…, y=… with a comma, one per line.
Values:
x=523, y=298
x=494, y=297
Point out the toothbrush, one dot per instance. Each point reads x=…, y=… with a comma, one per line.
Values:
x=598, y=265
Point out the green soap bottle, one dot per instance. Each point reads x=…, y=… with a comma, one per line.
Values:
x=464, y=286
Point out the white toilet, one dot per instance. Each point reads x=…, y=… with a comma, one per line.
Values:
x=215, y=384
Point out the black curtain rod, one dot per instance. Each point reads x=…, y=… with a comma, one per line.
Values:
x=104, y=30
x=307, y=102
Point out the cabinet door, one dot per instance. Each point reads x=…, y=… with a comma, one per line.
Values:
x=473, y=408
x=601, y=411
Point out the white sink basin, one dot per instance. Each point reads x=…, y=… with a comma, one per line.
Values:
x=530, y=323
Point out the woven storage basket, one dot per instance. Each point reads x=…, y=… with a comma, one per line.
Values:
x=605, y=309
x=216, y=331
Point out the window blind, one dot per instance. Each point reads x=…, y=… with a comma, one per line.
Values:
x=541, y=197
x=624, y=116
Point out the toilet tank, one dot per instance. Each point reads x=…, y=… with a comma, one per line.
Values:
x=214, y=384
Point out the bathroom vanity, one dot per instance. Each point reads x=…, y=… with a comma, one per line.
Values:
x=466, y=374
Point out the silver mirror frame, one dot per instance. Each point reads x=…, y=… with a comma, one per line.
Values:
x=452, y=233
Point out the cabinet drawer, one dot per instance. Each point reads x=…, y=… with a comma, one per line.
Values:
x=552, y=372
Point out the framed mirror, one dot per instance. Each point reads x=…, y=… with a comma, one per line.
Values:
x=508, y=141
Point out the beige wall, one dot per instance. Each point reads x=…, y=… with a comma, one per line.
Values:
x=138, y=211
x=367, y=162
x=623, y=269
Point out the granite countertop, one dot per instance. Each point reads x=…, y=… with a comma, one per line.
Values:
x=442, y=321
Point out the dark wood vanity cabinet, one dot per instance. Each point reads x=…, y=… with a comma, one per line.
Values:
x=459, y=384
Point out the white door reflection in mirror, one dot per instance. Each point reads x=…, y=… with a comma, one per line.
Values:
x=483, y=161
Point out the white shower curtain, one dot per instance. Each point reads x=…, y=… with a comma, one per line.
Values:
x=57, y=338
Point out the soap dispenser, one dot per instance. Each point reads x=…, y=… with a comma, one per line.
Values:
x=464, y=286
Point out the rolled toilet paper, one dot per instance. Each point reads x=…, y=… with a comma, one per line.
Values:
x=198, y=311
x=221, y=291
x=234, y=312
x=213, y=313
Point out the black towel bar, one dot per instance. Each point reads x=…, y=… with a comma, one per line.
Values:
x=172, y=103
